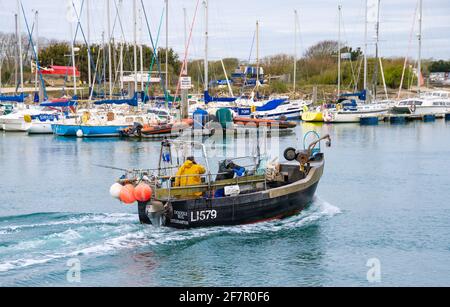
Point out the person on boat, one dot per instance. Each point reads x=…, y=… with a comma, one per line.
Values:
x=190, y=167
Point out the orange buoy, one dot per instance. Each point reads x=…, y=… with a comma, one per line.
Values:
x=127, y=194
x=143, y=193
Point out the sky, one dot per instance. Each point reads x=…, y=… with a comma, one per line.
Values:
x=232, y=24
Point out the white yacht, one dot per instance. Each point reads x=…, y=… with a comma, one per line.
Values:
x=430, y=103
x=285, y=110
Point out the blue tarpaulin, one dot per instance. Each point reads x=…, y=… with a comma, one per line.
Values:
x=15, y=98
x=271, y=105
x=209, y=99
x=131, y=102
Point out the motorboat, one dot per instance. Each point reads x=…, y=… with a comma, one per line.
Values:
x=431, y=103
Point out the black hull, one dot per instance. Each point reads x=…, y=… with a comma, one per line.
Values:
x=272, y=204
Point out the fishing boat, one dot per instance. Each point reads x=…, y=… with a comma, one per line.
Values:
x=234, y=196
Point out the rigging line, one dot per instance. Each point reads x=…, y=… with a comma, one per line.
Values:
x=187, y=46
x=154, y=54
x=155, y=51
x=120, y=21
x=34, y=51
x=77, y=15
x=351, y=60
x=244, y=83
x=409, y=49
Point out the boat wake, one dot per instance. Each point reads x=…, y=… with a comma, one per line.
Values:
x=38, y=239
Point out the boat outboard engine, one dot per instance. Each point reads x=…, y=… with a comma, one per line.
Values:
x=136, y=129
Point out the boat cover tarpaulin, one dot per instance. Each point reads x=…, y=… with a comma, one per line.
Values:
x=131, y=102
x=15, y=98
x=271, y=105
x=60, y=70
x=209, y=99
x=59, y=104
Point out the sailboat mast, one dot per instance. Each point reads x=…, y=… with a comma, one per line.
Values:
x=121, y=54
x=108, y=12
x=135, y=44
x=205, y=3
x=365, y=46
x=36, y=22
x=167, y=45
x=141, y=53
x=88, y=18
x=377, y=39
x=74, y=73
x=16, y=58
x=339, y=52
x=257, y=54
x=419, y=61
x=185, y=39
x=19, y=41
x=295, y=49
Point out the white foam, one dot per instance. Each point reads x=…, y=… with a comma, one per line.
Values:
x=116, y=218
x=134, y=236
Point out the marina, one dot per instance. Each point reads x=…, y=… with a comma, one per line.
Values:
x=148, y=153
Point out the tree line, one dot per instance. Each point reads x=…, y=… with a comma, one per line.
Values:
x=317, y=66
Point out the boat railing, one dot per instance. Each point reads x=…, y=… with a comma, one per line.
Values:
x=207, y=187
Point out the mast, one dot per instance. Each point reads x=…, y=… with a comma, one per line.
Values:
x=121, y=53
x=16, y=58
x=141, y=54
x=74, y=73
x=365, y=47
x=205, y=3
x=89, y=43
x=108, y=18
x=19, y=40
x=257, y=54
x=135, y=44
x=339, y=52
x=377, y=39
x=36, y=21
x=295, y=49
x=185, y=39
x=419, y=61
x=167, y=45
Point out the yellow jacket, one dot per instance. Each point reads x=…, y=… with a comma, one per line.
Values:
x=189, y=168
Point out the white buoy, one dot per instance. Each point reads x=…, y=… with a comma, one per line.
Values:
x=115, y=190
x=80, y=133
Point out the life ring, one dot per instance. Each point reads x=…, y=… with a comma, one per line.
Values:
x=27, y=118
x=413, y=108
x=339, y=107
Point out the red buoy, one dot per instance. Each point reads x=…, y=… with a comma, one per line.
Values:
x=143, y=192
x=127, y=194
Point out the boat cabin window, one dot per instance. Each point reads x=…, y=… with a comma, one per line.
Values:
x=438, y=103
x=410, y=103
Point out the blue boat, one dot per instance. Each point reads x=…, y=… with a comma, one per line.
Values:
x=65, y=130
x=102, y=131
